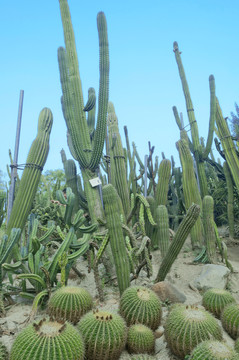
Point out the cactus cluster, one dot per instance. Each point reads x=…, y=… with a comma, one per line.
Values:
x=230, y=320
x=187, y=326
x=140, y=339
x=48, y=339
x=213, y=350
x=139, y=304
x=214, y=300
x=104, y=334
x=70, y=303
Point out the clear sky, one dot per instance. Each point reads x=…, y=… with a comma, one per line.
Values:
x=144, y=79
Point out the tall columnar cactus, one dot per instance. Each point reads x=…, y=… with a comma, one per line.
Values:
x=164, y=173
x=200, y=154
x=32, y=172
x=209, y=227
x=71, y=180
x=113, y=210
x=178, y=241
x=190, y=188
x=228, y=145
x=48, y=340
x=117, y=159
x=87, y=153
x=162, y=229
x=230, y=199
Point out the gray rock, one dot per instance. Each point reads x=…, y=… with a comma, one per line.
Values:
x=167, y=291
x=211, y=276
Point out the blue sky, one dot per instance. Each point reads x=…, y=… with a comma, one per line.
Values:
x=144, y=79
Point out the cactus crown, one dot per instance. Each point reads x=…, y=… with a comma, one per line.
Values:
x=212, y=349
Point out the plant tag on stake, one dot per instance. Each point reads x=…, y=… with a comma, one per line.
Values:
x=95, y=182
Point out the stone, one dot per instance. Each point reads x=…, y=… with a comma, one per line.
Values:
x=168, y=292
x=211, y=276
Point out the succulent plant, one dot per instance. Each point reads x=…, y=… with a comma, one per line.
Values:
x=140, y=339
x=187, y=326
x=214, y=300
x=139, y=304
x=213, y=350
x=142, y=357
x=104, y=333
x=70, y=303
x=237, y=345
x=230, y=319
x=47, y=340
x=3, y=352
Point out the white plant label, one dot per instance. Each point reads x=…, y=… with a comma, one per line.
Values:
x=95, y=182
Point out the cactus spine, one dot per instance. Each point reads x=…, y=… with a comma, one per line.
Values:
x=178, y=241
x=87, y=153
x=209, y=228
x=113, y=210
x=31, y=175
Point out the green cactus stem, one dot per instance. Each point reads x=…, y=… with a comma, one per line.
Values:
x=186, y=326
x=3, y=352
x=70, y=303
x=208, y=225
x=228, y=145
x=199, y=154
x=162, y=229
x=113, y=210
x=213, y=350
x=190, y=188
x=104, y=334
x=32, y=172
x=48, y=340
x=178, y=241
x=140, y=339
x=230, y=320
x=139, y=304
x=230, y=199
x=215, y=300
x=117, y=159
x=164, y=174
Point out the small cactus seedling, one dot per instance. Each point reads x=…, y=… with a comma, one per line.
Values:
x=70, y=303
x=187, y=326
x=48, y=340
x=213, y=350
x=214, y=300
x=139, y=304
x=104, y=333
x=230, y=320
x=140, y=339
x=3, y=352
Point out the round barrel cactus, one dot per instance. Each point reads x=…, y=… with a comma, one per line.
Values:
x=213, y=350
x=187, y=326
x=48, y=340
x=230, y=320
x=70, y=303
x=3, y=352
x=104, y=333
x=140, y=339
x=214, y=300
x=139, y=304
